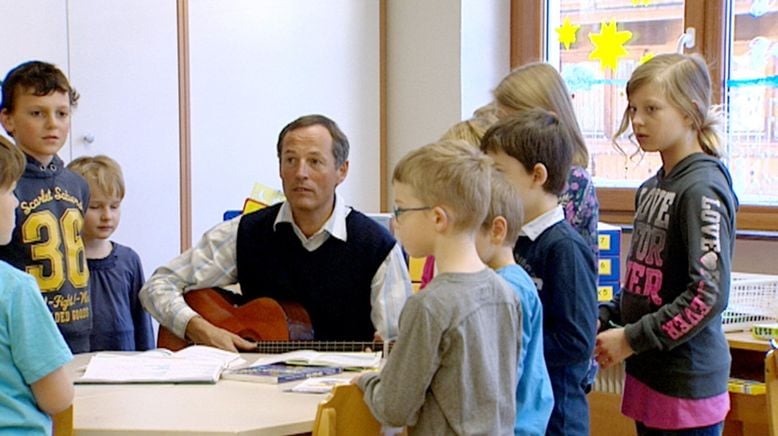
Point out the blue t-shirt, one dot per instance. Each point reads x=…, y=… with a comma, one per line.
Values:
x=534, y=396
x=31, y=347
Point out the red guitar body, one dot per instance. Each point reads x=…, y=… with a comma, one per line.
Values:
x=262, y=319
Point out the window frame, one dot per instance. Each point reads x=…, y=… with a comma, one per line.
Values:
x=617, y=205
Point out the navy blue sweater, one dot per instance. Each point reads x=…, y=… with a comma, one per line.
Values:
x=332, y=282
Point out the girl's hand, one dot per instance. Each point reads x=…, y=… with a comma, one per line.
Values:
x=611, y=347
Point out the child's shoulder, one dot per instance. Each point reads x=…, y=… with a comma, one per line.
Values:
x=12, y=279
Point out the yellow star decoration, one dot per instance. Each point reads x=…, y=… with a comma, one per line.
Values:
x=567, y=32
x=643, y=2
x=609, y=45
x=645, y=58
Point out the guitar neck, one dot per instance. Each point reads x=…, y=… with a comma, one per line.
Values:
x=276, y=347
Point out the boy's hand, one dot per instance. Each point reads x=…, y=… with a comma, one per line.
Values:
x=203, y=332
x=611, y=347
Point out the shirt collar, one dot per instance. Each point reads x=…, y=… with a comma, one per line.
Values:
x=534, y=228
x=335, y=224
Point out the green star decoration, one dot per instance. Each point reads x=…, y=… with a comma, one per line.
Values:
x=567, y=32
x=609, y=45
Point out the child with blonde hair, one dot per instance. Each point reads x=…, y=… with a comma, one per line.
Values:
x=452, y=369
x=116, y=273
x=32, y=351
x=678, y=267
x=495, y=242
x=540, y=86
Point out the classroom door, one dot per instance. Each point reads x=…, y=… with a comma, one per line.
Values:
x=123, y=61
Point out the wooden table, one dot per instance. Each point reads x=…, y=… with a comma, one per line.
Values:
x=225, y=408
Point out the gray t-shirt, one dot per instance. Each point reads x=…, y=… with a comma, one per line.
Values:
x=453, y=367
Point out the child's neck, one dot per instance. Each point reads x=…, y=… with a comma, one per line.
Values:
x=97, y=248
x=502, y=258
x=537, y=208
x=457, y=253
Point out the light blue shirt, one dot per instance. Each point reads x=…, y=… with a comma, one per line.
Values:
x=31, y=347
x=534, y=396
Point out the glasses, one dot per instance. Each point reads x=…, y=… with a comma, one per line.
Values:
x=397, y=211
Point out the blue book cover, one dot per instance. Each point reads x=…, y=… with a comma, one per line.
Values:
x=278, y=373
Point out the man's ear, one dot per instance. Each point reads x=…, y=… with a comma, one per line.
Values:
x=539, y=174
x=342, y=173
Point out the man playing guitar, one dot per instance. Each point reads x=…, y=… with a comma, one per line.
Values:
x=344, y=269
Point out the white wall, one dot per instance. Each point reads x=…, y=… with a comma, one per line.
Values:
x=443, y=59
x=257, y=65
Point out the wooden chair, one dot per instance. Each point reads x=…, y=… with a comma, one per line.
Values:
x=771, y=380
x=344, y=413
x=62, y=423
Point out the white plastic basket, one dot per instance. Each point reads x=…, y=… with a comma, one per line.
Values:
x=753, y=298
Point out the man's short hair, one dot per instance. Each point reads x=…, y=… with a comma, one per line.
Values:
x=340, y=146
x=101, y=173
x=39, y=78
x=12, y=163
x=452, y=174
x=533, y=137
x=505, y=202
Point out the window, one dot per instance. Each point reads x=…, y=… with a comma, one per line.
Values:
x=596, y=44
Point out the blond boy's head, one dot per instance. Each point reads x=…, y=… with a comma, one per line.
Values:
x=102, y=174
x=506, y=204
x=12, y=163
x=452, y=175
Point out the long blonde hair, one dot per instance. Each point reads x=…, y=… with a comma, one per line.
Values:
x=539, y=85
x=685, y=81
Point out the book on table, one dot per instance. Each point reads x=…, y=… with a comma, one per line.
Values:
x=346, y=360
x=278, y=373
x=194, y=364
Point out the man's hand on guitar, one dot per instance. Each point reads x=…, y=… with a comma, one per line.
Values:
x=203, y=332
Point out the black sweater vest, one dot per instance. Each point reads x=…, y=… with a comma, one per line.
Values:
x=332, y=282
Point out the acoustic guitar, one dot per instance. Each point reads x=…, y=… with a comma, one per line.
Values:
x=276, y=327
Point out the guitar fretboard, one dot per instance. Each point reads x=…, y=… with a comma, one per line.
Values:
x=276, y=347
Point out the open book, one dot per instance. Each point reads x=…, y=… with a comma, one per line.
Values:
x=194, y=364
x=359, y=360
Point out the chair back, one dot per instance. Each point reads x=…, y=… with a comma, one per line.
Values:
x=62, y=423
x=771, y=380
x=344, y=413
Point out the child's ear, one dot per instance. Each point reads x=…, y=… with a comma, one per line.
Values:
x=539, y=174
x=498, y=231
x=441, y=219
x=6, y=121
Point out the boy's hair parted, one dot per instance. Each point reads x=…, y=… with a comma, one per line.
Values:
x=37, y=77
x=685, y=83
x=534, y=137
x=12, y=163
x=505, y=202
x=451, y=174
x=101, y=173
x=539, y=85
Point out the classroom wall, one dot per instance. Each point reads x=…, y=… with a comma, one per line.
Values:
x=443, y=59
